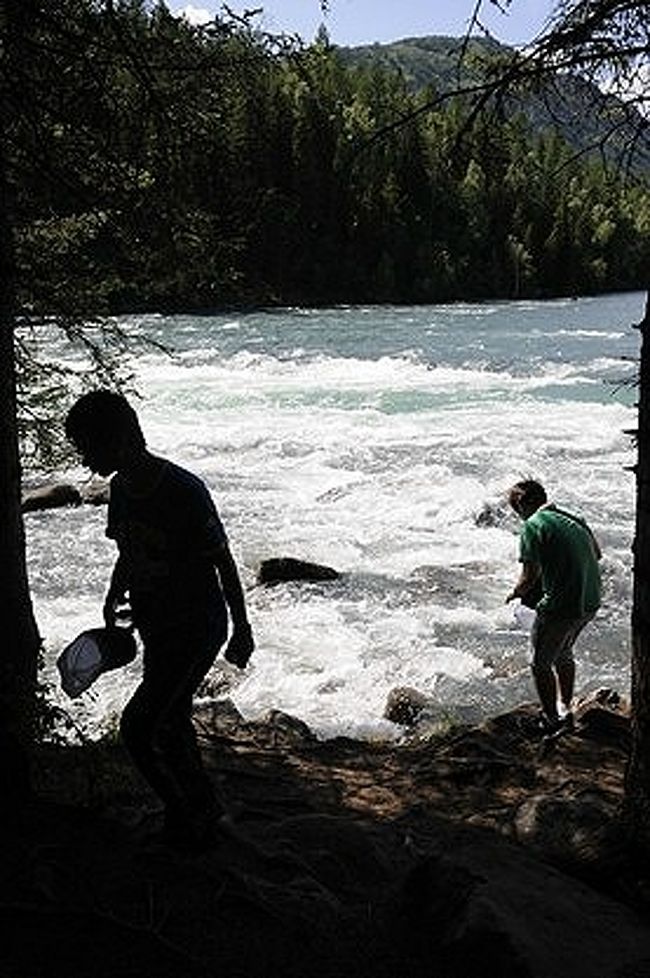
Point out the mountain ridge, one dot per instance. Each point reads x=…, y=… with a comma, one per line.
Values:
x=589, y=120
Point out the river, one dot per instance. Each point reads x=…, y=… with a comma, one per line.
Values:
x=375, y=440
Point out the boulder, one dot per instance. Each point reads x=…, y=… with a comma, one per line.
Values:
x=605, y=725
x=217, y=717
x=492, y=514
x=568, y=831
x=404, y=705
x=489, y=908
x=51, y=497
x=287, y=729
x=280, y=569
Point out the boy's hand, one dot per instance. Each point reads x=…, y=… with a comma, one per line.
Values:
x=241, y=645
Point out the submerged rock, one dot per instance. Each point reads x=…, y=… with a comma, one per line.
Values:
x=58, y=494
x=51, y=497
x=492, y=514
x=280, y=569
x=404, y=705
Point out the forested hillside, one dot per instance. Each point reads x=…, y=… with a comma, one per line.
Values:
x=155, y=165
x=591, y=122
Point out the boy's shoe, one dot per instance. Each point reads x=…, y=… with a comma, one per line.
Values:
x=552, y=729
x=552, y=726
x=568, y=722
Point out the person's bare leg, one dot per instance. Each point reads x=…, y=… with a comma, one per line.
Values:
x=546, y=686
x=566, y=674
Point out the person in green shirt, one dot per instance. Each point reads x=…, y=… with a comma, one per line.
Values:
x=559, y=556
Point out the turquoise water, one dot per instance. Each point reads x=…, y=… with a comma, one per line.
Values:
x=371, y=439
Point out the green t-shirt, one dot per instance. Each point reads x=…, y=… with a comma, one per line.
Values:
x=564, y=548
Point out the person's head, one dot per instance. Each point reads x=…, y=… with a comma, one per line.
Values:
x=526, y=497
x=105, y=430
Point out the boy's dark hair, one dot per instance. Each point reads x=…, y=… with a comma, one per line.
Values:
x=101, y=415
x=527, y=495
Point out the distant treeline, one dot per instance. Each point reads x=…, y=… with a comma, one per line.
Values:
x=160, y=166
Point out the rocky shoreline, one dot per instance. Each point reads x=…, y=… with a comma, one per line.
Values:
x=480, y=852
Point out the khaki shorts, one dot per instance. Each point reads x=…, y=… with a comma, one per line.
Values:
x=552, y=639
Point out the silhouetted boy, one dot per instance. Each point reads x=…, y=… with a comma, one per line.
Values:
x=175, y=566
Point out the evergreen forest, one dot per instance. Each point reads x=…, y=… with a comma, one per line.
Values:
x=155, y=165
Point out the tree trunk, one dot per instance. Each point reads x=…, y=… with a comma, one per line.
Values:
x=19, y=638
x=637, y=787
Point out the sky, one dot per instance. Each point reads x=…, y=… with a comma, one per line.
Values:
x=354, y=22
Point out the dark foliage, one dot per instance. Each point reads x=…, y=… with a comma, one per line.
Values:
x=156, y=165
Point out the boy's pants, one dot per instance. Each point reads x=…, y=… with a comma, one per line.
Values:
x=156, y=723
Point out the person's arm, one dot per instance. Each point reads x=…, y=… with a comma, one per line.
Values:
x=116, y=593
x=527, y=579
x=241, y=644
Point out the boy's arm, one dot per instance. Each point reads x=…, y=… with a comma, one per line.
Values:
x=241, y=644
x=527, y=578
x=116, y=593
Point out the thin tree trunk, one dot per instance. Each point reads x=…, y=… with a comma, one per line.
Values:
x=19, y=640
x=637, y=787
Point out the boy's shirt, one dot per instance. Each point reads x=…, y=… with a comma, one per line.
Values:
x=563, y=546
x=166, y=539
